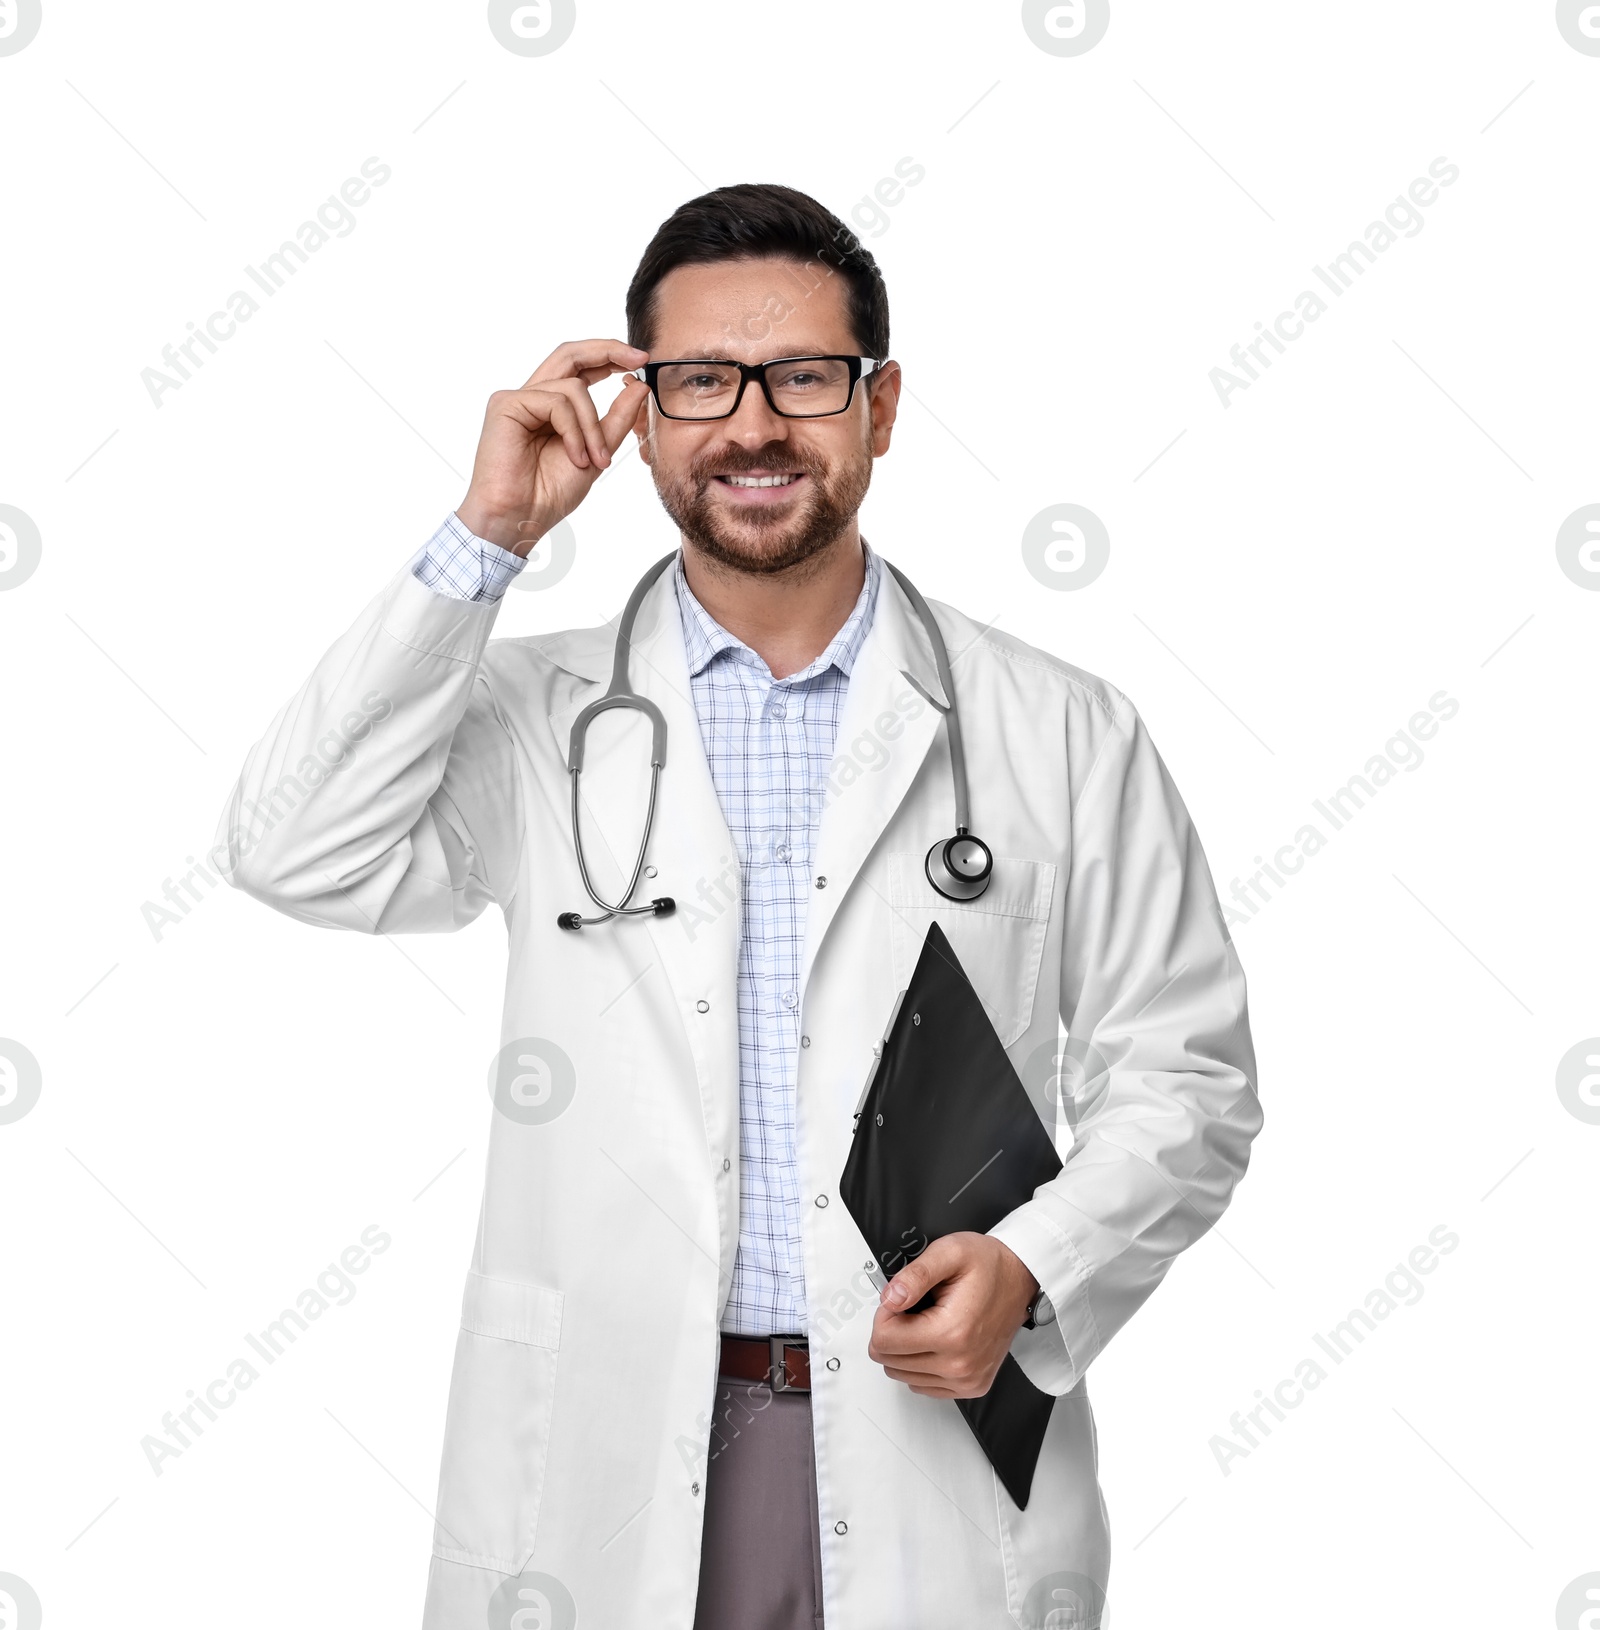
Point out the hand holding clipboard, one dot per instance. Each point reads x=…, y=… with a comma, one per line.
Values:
x=947, y=1141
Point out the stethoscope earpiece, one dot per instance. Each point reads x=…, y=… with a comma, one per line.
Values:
x=662, y=906
x=960, y=867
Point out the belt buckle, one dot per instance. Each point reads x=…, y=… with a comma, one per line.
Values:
x=777, y=1369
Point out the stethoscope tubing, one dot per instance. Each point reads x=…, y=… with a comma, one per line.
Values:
x=952, y=715
x=948, y=880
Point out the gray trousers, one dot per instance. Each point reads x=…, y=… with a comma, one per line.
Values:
x=760, y=1555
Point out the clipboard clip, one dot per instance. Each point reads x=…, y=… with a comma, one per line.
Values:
x=877, y=1057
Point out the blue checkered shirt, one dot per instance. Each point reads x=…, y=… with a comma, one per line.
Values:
x=769, y=743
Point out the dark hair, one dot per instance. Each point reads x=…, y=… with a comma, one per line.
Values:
x=750, y=222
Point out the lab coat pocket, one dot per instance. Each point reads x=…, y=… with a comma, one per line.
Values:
x=999, y=937
x=497, y=1430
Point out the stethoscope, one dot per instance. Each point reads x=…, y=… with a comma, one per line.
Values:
x=959, y=868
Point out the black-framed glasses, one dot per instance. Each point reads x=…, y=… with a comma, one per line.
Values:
x=795, y=387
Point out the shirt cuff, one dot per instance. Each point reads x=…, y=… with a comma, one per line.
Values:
x=462, y=566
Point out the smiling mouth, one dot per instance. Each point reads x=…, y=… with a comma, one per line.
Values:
x=758, y=480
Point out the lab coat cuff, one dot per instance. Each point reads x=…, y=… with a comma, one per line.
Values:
x=434, y=624
x=1053, y=1356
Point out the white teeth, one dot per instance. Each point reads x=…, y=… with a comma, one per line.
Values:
x=759, y=480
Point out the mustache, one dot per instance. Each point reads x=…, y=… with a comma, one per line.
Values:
x=774, y=456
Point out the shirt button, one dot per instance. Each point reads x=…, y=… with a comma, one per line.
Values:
x=779, y=711
x=789, y=998
x=781, y=852
x=702, y=1006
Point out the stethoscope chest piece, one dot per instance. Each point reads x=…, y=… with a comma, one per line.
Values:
x=960, y=867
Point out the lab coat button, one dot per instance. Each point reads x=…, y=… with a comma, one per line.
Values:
x=726, y=1166
x=833, y=1363
x=822, y=882
x=694, y=1488
x=822, y=1199
x=649, y=871
x=841, y=1528
x=805, y=1041
x=702, y=1006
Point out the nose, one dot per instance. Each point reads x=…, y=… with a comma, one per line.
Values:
x=754, y=424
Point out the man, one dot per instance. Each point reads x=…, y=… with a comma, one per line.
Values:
x=674, y=1095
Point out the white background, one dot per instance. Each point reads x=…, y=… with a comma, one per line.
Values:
x=1373, y=521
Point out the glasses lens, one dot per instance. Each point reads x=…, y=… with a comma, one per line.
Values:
x=697, y=390
x=807, y=386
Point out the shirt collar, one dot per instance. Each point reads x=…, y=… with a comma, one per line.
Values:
x=704, y=638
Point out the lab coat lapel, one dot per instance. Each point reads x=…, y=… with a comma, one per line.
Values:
x=885, y=731
x=690, y=846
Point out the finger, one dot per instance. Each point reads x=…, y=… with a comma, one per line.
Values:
x=593, y=376
x=928, y=1384
x=622, y=413
x=565, y=405
x=903, y=1346
x=588, y=419
x=918, y=1380
x=905, y=1336
x=597, y=358
x=563, y=419
x=917, y=1278
x=541, y=413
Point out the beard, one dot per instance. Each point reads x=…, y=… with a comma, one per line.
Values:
x=765, y=541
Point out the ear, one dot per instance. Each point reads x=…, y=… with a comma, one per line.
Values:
x=883, y=394
x=641, y=427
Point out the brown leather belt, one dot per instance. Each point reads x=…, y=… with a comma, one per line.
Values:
x=783, y=1362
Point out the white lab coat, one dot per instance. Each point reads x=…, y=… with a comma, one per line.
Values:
x=587, y=1355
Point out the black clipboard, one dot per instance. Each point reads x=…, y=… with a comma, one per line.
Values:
x=947, y=1141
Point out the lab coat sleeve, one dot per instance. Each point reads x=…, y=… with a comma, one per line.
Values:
x=1153, y=998
x=359, y=807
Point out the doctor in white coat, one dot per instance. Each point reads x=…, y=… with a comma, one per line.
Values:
x=638, y=1185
